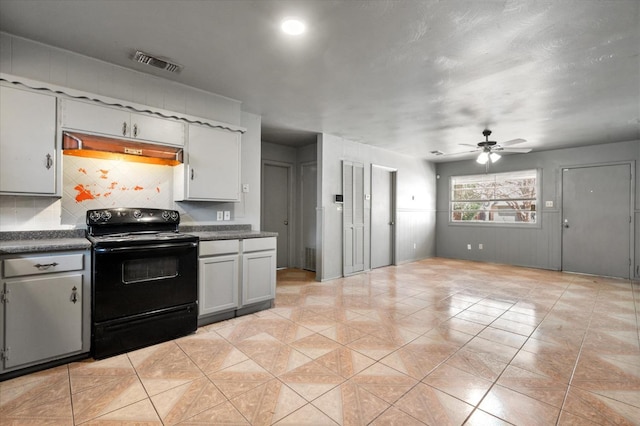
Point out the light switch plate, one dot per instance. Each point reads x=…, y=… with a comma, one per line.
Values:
x=219, y=215
x=245, y=187
x=227, y=215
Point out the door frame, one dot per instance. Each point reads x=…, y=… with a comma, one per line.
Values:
x=394, y=215
x=290, y=202
x=632, y=192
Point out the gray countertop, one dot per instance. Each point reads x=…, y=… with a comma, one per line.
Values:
x=60, y=240
x=42, y=241
x=43, y=245
x=232, y=235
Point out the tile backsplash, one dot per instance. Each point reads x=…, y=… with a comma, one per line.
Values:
x=89, y=183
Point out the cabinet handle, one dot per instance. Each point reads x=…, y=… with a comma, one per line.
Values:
x=191, y=174
x=49, y=162
x=45, y=266
x=74, y=294
x=135, y=130
x=124, y=128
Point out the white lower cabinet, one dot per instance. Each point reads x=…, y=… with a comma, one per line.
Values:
x=258, y=270
x=45, y=309
x=41, y=320
x=225, y=264
x=219, y=276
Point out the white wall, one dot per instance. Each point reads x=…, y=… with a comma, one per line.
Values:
x=415, y=202
x=36, y=61
x=538, y=247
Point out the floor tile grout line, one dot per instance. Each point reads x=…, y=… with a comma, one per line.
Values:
x=575, y=365
x=558, y=299
x=477, y=407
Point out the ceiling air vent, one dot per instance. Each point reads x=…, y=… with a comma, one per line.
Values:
x=155, y=61
x=437, y=152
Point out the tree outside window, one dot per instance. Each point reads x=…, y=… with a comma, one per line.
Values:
x=495, y=198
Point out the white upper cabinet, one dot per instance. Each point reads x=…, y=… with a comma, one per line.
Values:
x=212, y=169
x=120, y=122
x=27, y=143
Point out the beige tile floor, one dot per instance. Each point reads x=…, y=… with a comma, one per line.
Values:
x=433, y=342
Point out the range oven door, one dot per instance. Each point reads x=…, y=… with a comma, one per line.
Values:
x=144, y=278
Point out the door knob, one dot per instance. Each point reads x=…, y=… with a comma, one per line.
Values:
x=286, y=222
x=566, y=223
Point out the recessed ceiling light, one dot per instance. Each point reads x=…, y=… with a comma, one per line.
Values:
x=293, y=26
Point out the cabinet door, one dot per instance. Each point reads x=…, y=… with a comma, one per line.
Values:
x=156, y=129
x=27, y=142
x=218, y=289
x=42, y=320
x=214, y=164
x=258, y=277
x=95, y=118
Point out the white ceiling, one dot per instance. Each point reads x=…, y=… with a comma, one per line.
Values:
x=410, y=76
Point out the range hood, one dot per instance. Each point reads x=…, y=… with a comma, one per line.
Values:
x=84, y=145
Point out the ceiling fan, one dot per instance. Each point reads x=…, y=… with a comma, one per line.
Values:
x=489, y=149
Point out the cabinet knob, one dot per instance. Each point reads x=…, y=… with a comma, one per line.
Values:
x=74, y=294
x=124, y=128
x=135, y=130
x=191, y=174
x=49, y=162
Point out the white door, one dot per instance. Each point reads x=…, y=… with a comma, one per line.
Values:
x=309, y=178
x=276, y=206
x=353, y=217
x=382, y=216
x=596, y=223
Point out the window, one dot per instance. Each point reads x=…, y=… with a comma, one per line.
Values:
x=504, y=198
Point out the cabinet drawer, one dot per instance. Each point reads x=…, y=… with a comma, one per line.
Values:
x=42, y=265
x=212, y=248
x=258, y=244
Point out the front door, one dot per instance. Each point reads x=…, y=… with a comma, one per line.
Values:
x=596, y=225
x=276, y=205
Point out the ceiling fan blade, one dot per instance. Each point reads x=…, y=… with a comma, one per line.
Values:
x=518, y=150
x=459, y=153
x=512, y=142
x=468, y=144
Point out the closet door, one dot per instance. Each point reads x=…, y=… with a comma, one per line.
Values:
x=353, y=217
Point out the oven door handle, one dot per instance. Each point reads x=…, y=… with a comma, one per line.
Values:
x=145, y=247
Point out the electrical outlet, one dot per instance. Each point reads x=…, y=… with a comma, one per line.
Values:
x=414, y=245
x=219, y=215
x=480, y=246
x=468, y=246
x=227, y=215
x=548, y=203
x=245, y=187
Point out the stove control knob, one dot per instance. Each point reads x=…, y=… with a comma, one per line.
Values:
x=175, y=216
x=94, y=216
x=137, y=214
x=105, y=215
x=166, y=215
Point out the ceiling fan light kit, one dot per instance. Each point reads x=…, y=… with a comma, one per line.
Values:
x=487, y=149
